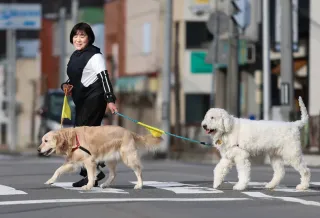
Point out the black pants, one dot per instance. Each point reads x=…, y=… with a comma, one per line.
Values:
x=90, y=113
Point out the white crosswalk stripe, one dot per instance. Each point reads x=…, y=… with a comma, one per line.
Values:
x=180, y=188
x=7, y=190
x=280, y=188
x=68, y=185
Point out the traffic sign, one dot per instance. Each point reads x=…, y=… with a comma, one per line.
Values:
x=223, y=19
x=20, y=16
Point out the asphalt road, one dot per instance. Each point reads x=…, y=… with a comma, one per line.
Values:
x=171, y=189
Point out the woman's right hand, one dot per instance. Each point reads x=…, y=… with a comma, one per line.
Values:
x=67, y=89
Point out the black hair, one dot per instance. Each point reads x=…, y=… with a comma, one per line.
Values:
x=85, y=28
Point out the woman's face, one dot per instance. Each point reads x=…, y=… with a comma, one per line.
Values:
x=80, y=40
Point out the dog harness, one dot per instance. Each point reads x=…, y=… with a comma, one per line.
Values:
x=80, y=147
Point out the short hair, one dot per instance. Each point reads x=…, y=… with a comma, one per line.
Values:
x=85, y=28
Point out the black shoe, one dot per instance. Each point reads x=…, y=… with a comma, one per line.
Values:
x=102, y=164
x=83, y=172
x=84, y=181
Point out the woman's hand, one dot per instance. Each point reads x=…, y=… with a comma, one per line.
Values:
x=67, y=89
x=113, y=108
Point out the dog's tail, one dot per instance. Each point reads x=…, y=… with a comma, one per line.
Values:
x=304, y=114
x=148, y=142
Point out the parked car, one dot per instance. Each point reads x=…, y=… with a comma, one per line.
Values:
x=50, y=112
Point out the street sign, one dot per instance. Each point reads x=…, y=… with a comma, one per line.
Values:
x=20, y=16
x=223, y=19
x=285, y=94
x=199, y=7
x=223, y=53
x=241, y=13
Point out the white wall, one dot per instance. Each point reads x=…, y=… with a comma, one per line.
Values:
x=143, y=36
x=27, y=70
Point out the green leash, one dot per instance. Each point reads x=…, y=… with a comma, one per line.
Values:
x=167, y=133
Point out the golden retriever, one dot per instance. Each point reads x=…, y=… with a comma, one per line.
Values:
x=104, y=143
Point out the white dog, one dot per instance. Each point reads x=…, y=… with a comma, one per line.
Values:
x=238, y=139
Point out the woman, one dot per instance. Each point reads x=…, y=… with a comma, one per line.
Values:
x=89, y=85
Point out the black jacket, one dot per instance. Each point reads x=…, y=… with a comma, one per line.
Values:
x=76, y=67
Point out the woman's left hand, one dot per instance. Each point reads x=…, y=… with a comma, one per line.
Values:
x=112, y=107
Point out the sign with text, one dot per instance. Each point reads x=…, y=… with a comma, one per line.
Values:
x=20, y=16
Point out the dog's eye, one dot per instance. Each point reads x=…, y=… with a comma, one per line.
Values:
x=46, y=140
x=212, y=118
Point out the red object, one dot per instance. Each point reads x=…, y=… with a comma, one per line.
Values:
x=77, y=144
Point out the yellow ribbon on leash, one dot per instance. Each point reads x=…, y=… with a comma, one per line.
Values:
x=66, y=111
x=153, y=130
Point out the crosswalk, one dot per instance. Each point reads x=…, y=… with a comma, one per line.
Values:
x=180, y=192
x=178, y=188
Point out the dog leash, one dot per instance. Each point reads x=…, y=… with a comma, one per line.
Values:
x=151, y=128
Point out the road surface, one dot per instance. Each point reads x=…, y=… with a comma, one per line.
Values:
x=171, y=189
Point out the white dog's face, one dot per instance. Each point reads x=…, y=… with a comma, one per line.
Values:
x=217, y=121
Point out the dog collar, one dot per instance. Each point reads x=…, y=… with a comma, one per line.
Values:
x=79, y=146
x=218, y=142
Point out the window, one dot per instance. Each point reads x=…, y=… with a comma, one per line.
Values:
x=146, y=38
x=197, y=35
x=196, y=107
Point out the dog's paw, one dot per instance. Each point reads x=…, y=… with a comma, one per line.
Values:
x=104, y=185
x=302, y=187
x=216, y=185
x=138, y=186
x=239, y=187
x=86, y=187
x=270, y=186
x=49, y=182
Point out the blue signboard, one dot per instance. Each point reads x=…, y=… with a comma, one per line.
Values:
x=20, y=16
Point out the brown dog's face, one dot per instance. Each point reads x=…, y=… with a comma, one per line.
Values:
x=60, y=141
x=49, y=144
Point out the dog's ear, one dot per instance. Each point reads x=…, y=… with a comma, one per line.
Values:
x=60, y=145
x=227, y=123
x=65, y=139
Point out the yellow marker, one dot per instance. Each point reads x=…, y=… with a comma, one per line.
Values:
x=66, y=111
x=153, y=130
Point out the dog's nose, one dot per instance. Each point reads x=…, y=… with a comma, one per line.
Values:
x=204, y=126
x=39, y=149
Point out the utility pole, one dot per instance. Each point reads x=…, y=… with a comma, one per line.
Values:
x=11, y=88
x=287, y=92
x=166, y=72
x=177, y=83
x=218, y=77
x=62, y=42
x=74, y=11
x=233, y=90
x=266, y=62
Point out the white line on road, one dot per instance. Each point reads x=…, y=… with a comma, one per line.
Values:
x=315, y=183
x=180, y=188
x=52, y=201
x=280, y=188
x=68, y=185
x=288, y=199
x=7, y=190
